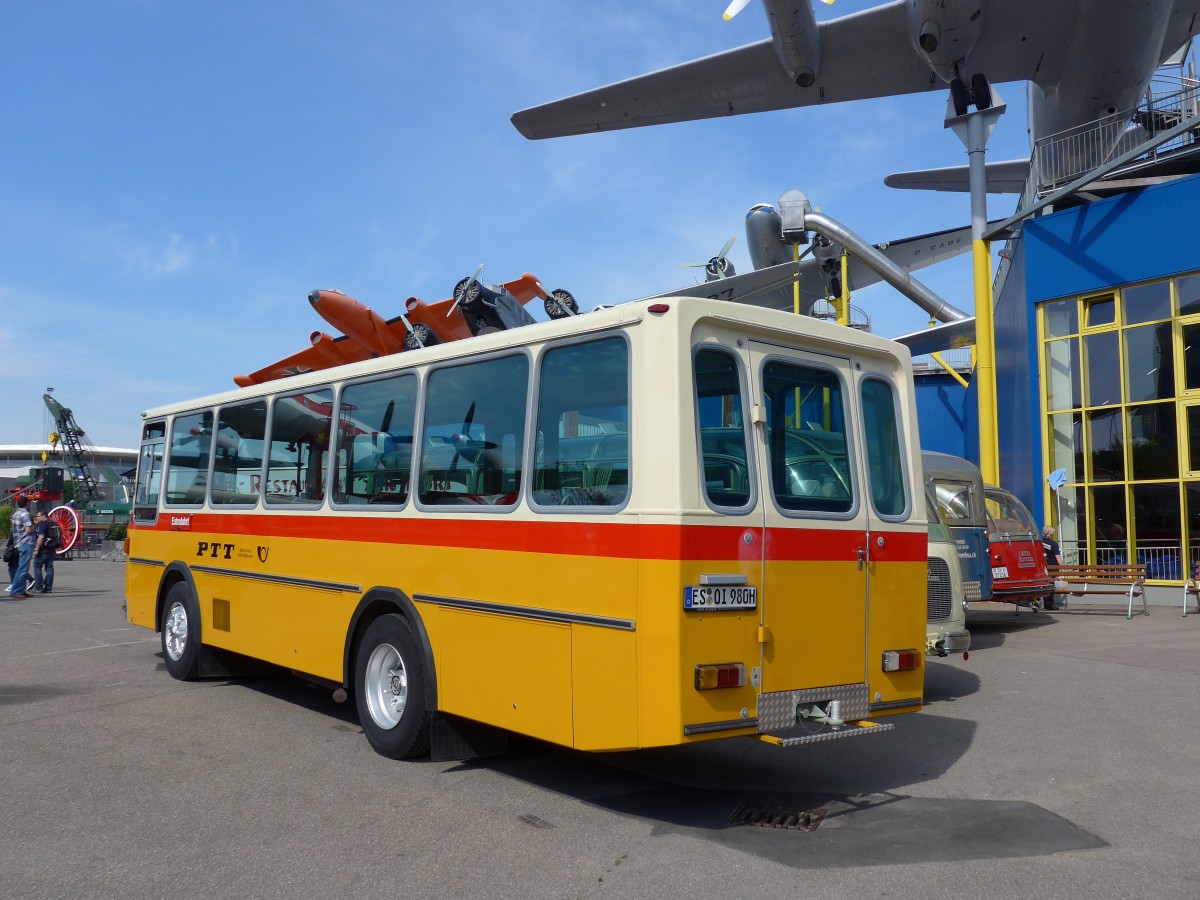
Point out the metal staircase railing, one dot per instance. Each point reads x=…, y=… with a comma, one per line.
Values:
x=1058, y=159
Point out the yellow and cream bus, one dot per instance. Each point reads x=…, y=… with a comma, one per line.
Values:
x=649, y=525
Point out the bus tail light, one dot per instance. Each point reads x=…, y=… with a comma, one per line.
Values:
x=721, y=675
x=659, y=308
x=900, y=660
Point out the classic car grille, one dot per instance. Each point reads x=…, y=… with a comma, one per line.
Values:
x=940, y=595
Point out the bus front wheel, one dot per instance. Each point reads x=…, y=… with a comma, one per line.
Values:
x=181, y=633
x=389, y=687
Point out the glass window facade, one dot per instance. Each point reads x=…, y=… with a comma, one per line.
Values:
x=1121, y=401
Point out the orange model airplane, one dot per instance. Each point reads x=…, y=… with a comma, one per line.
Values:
x=475, y=308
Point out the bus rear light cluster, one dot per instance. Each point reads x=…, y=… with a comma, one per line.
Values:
x=900, y=660
x=720, y=675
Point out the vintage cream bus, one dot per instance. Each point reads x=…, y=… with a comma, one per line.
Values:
x=648, y=525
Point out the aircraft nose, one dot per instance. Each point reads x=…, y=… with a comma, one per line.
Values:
x=314, y=297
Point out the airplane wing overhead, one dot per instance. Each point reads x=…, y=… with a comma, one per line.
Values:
x=946, y=336
x=867, y=54
x=1007, y=177
x=915, y=253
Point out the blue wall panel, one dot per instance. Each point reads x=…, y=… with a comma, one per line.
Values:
x=1136, y=236
x=1017, y=393
x=948, y=415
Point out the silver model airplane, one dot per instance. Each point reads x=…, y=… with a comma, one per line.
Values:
x=1084, y=59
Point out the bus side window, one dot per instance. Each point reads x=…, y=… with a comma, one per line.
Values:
x=583, y=425
x=375, y=441
x=469, y=411
x=188, y=457
x=149, y=473
x=300, y=427
x=238, y=464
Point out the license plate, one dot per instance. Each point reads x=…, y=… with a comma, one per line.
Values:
x=712, y=597
x=999, y=571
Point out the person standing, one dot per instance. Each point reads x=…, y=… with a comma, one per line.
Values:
x=43, y=555
x=22, y=529
x=1053, y=558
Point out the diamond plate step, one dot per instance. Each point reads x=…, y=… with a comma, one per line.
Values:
x=795, y=736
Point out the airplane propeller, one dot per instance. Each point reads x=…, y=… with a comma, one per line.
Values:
x=719, y=266
x=738, y=5
x=462, y=290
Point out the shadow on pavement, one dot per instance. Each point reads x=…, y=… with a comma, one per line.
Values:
x=989, y=627
x=855, y=790
x=945, y=682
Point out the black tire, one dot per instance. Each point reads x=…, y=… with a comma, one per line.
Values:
x=389, y=689
x=960, y=96
x=981, y=91
x=180, y=633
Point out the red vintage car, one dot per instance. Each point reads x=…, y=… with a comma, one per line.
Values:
x=1015, y=546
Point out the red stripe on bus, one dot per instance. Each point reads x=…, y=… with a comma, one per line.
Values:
x=621, y=540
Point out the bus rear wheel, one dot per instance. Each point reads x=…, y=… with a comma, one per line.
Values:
x=181, y=633
x=389, y=686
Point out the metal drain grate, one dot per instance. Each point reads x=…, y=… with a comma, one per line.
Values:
x=779, y=817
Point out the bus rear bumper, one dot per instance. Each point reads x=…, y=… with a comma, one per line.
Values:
x=792, y=718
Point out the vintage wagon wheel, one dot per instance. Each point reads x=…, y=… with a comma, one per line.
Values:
x=68, y=520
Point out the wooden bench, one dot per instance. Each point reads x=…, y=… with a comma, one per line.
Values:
x=1081, y=580
x=1191, y=589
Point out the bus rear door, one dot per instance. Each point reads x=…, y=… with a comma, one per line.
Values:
x=814, y=603
x=843, y=565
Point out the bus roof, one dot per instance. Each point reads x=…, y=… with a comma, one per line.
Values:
x=684, y=312
x=943, y=465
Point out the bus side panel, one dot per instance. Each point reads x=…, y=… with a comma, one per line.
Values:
x=897, y=624
x=504, y=671
x=296, y=627
x=659, y=654
x=141, y=581
x=604, y=688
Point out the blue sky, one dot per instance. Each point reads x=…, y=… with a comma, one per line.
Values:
x=178, y=177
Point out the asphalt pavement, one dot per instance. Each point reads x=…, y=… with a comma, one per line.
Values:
x=1059, y=760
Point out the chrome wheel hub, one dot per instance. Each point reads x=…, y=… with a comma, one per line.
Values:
x=175, y=631
x=386, y=686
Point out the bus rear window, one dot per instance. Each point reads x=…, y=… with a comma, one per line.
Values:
x=806, y=438
x=722, y=430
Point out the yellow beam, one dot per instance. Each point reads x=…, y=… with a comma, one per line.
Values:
x=844, y=305
x=985, y=366
x=949, y=368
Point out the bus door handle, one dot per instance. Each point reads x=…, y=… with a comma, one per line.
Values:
x=862, y=556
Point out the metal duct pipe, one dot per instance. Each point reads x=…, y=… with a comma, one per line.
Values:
x=883, y=267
